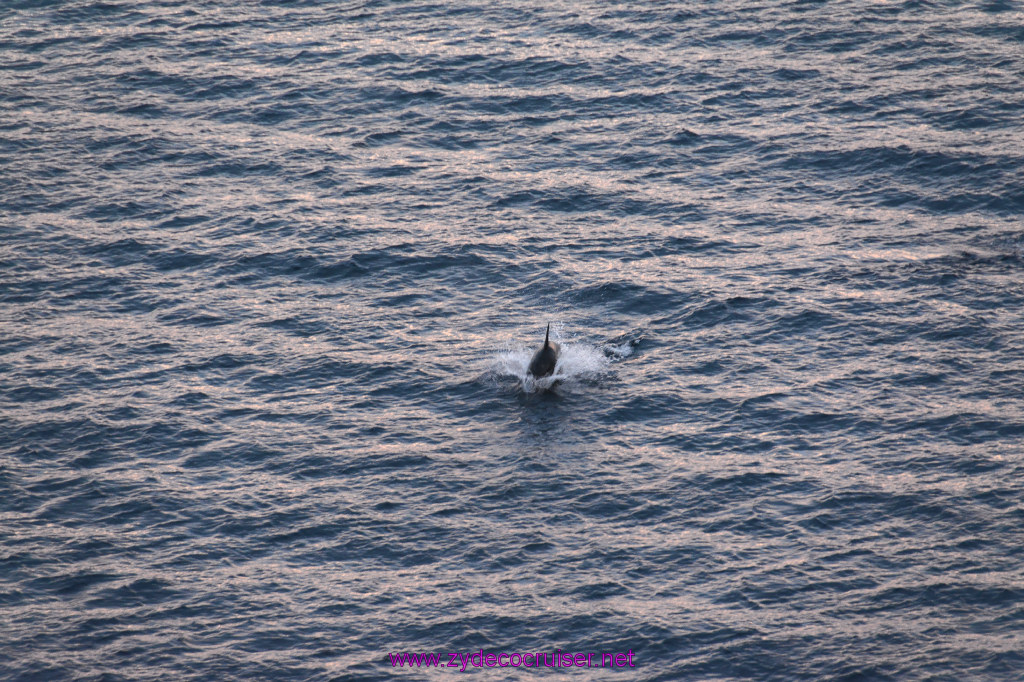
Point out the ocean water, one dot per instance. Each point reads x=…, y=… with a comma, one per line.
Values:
x=271, y=274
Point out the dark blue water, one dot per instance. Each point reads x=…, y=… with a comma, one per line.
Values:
x=270, y=275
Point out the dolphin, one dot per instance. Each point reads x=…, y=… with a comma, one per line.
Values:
x=543, y=363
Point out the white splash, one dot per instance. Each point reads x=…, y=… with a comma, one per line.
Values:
x=576, y=361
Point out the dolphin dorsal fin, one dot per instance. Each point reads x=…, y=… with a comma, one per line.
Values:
x=546, y=335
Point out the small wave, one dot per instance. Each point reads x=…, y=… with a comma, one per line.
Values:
x=619, y=351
